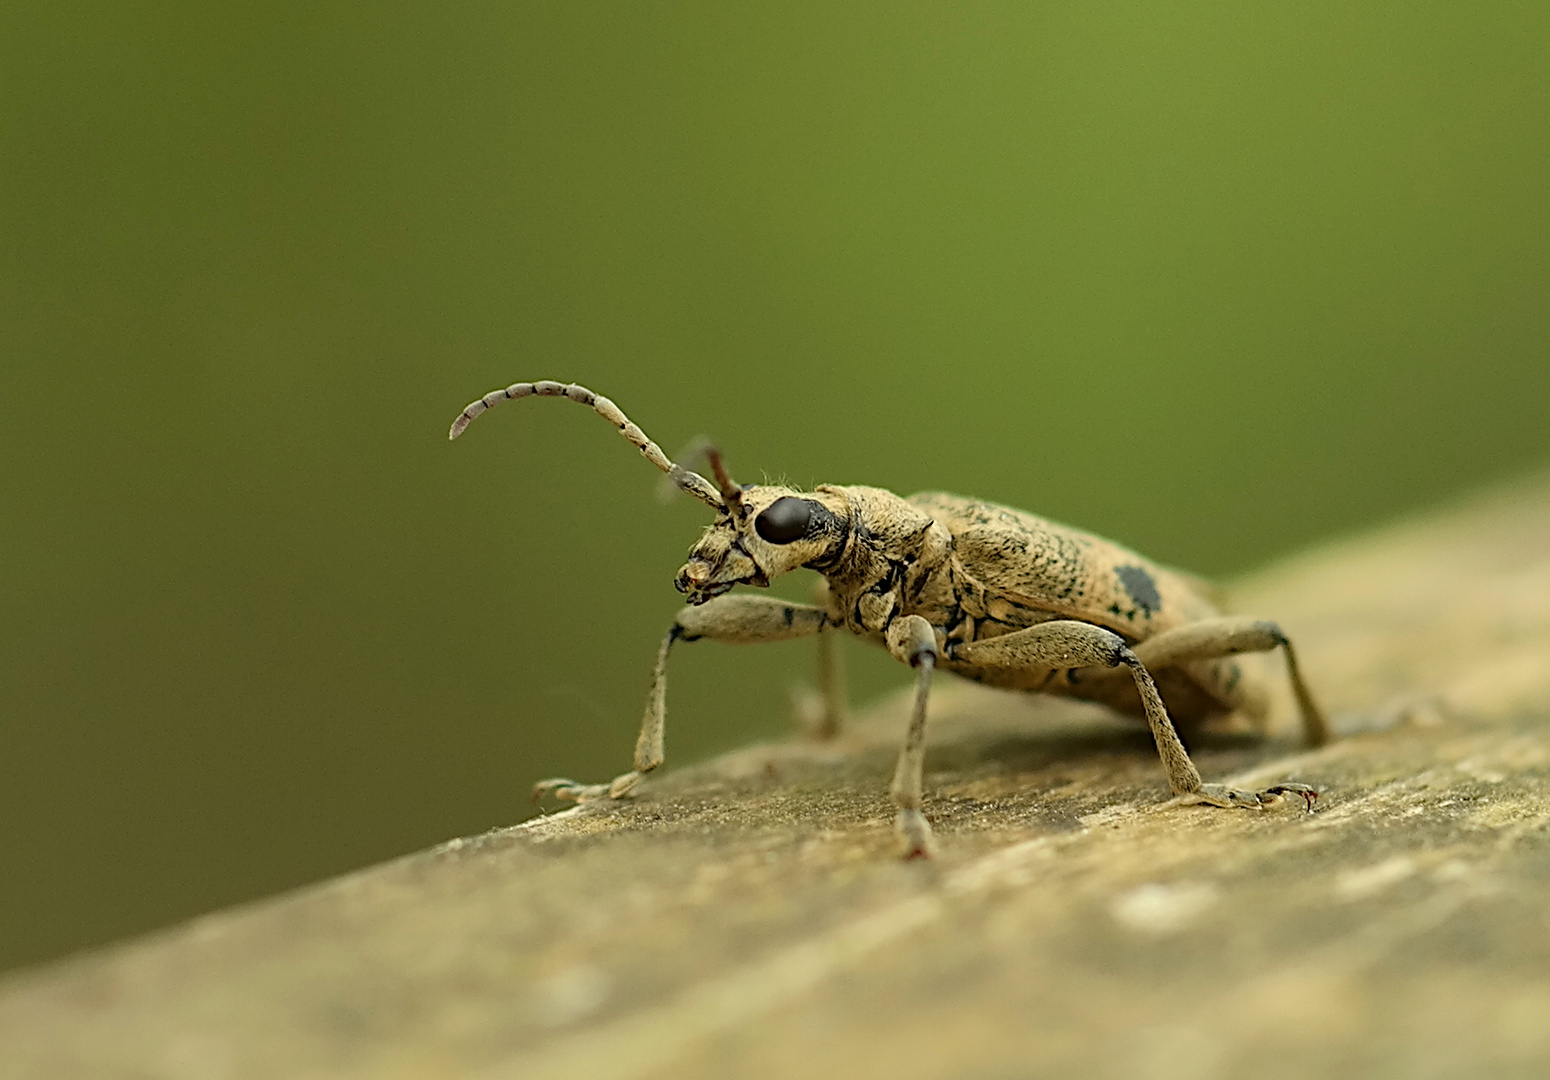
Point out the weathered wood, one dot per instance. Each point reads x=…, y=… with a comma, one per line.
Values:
x=746, y=918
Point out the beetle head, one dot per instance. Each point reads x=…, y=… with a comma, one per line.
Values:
x=763, y=531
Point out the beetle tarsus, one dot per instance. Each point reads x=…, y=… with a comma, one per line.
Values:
x=566, y=790
x=1231, y=798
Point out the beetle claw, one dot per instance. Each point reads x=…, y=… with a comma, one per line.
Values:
x=1308, y=794
x=1231, y=798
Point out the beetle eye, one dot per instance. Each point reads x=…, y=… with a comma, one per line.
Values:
x=786, y=519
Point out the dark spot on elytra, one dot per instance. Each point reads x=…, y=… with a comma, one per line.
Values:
x=1142, y=589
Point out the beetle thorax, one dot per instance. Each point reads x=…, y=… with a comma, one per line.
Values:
x=896, y=562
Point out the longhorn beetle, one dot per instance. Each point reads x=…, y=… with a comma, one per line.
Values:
x=984, y=591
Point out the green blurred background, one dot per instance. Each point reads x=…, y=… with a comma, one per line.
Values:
x=1215, y=279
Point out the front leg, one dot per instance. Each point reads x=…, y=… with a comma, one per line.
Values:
x=1065, y=644
x=737, y=619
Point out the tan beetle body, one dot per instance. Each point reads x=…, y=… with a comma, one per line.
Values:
x=984, y=591
x=975, y=570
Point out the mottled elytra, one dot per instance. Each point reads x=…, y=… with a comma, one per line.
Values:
x=983, y=591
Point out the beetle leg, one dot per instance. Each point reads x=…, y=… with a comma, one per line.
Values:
x=1183, y=777
x=1212, y=639
x=912, y=641
x=738, y=619
x=1063, y=644
x=1066, y=644
x=822, y=713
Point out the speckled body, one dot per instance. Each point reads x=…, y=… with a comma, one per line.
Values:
x=976, y=570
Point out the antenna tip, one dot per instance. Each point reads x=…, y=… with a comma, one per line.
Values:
x=459, y=426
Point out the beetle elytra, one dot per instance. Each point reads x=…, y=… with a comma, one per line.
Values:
x=986, y=592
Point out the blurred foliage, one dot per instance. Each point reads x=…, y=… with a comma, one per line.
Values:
x=1214, y=280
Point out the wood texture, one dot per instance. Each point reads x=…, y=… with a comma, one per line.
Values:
x=746, y=918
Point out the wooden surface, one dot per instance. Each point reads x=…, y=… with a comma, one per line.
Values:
x=746, y=918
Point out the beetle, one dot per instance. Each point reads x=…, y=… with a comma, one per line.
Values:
x=983, y=591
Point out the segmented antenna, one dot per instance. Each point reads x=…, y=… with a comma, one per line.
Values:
x=692, y=482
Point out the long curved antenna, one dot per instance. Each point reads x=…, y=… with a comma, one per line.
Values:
x=692, y=482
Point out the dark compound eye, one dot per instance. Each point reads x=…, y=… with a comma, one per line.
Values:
x=785, y=520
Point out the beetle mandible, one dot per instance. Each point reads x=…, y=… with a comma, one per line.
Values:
x=984, y=591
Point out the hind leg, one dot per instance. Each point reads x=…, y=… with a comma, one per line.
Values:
x=1067, y=644
x=1227, y=635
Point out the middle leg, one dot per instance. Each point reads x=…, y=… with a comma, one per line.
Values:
x=912, y=640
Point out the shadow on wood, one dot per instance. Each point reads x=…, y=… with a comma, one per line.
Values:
x=746, y=917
